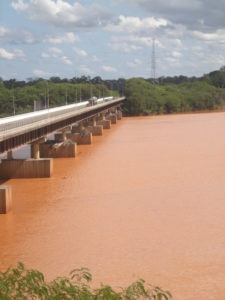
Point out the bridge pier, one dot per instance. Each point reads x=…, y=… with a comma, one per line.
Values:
x=119, y=115
x=105, y=123
x=9, y=154
x=84, y=138
x=5, y=199
x=79, y=135
x=96, y=130
x=65, y=148
x=26, y=168
x=35, y=150
x=112, y=117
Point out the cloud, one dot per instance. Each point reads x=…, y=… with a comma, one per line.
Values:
x=5, y=54
x=56, y=53
x=15, y=54
x=69, y=38
x=80, y=52
x=135, y=63
x=41, y=73
x=137, y=25
x=66, y=60
x=217, y=36
x=123, y=44
x=62, y=14
x=176, y=54
x=94, y=58
x=3, y=32
x=85, y=70
x=27, y=37
x=193, y=13
x=109, y=69
x=19, y=5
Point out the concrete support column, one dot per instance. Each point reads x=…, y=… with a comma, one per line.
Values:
x=94, y=121
x=64, y=137
x=5, y=199
x=81, y=126
x=9, y=155
x=103, y=116
x=119, y=114
x=35, y=151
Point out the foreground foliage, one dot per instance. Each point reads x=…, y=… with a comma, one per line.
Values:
x=20, y=284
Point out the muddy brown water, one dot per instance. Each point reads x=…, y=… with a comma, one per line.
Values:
x=146, y=200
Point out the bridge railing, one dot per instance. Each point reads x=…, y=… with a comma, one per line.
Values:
x=11, y=125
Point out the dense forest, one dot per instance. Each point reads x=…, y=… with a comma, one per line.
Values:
x=144, y=96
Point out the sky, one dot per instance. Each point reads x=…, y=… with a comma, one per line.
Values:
x=110, y=38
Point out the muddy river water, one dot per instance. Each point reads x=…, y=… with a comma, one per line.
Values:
x=146, y=200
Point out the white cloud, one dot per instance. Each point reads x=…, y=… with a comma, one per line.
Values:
x=80, y=52
x=15, y=54
x=137, y=25
x=3, y=31
x=66, y=60
x=135, y=63
x=69, y=38
x=56, y=53
x=95, y=58
x=123, y=44
x=41, y=73
x=216, y=36
x=5, y=54
x=19, y=5
x=109, y=69
x=85, y=70
x=45, y=55
x=195, y=14
x=176, y=54
x=62, y=14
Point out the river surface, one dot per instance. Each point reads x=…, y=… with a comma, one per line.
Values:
x=146, y=200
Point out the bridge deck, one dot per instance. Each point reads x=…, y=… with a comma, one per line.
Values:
x=18, y=130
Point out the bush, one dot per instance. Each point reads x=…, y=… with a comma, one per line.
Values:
x=20, y=284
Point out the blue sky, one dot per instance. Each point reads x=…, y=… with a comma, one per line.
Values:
x=110, y=38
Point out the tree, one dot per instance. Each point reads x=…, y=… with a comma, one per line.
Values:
x=218, y=77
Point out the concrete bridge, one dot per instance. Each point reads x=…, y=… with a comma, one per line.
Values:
x=71, y=125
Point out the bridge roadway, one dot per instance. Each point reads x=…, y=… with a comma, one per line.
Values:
x=19, y=130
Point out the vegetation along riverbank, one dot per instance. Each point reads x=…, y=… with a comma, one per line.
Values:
x=144, y=97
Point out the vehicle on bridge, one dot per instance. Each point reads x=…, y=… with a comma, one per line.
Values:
x=92, y=101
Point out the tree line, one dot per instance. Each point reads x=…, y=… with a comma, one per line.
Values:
x=144, y=96
x=175, y=94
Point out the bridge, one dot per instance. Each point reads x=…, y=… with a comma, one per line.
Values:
x=71, y=125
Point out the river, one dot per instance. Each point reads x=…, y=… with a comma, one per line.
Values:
x=146, y=200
